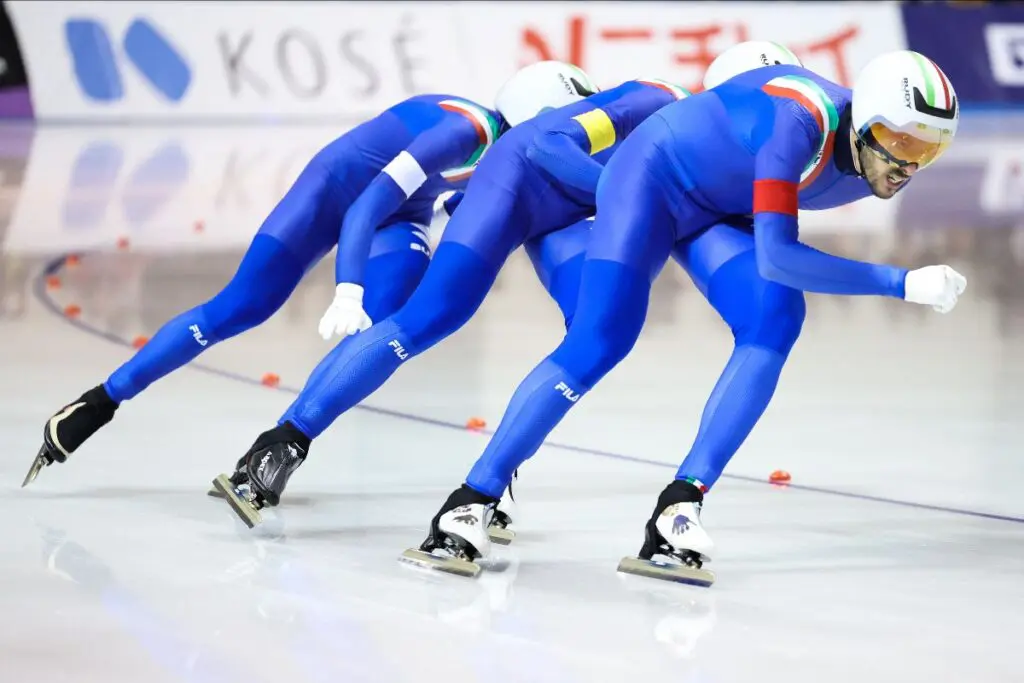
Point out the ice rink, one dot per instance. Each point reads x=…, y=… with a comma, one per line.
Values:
x=897, y=554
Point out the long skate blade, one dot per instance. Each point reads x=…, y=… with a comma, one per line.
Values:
x=501, y=536
x=667, y=571
x=249, y=515
x=37, y=465
x=450, y=565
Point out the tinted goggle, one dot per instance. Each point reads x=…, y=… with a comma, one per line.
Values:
x=903, y=147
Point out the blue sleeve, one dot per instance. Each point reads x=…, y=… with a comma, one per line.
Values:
x=781, y=257
x=567, y=151
x=452, y=202
x=444, y=146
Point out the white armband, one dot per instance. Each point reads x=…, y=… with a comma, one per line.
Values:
x=406, y=172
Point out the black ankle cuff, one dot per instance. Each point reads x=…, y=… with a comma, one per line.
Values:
x=471, y=496
x=283, y=433
x=98, y=396
x=679, y=491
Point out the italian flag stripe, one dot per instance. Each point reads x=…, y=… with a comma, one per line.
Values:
x=676, y=91
x=802, y=98
x=934, y=82
x=485, y=124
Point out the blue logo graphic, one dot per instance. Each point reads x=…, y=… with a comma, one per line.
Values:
x=96, y=66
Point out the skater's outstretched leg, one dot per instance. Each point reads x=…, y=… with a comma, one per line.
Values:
x=557, y=258
x=399, y=257
x=630, y=242
x=265, y=279
x=765, y=319
x=476, y=243
x=297, y=233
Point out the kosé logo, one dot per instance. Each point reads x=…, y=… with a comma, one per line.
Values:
x=97, y=62
x=1006, y=53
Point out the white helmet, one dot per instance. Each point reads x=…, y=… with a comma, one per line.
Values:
x=904, y=108
x=539, y=87
x=743, y=57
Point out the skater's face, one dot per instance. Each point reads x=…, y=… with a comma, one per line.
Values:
x=885, y=177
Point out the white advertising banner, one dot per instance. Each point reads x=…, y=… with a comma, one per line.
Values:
x=252, y=60
x=316, y=60
x=676, y=41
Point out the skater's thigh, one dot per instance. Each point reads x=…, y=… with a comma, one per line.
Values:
x=308, y=218
x=634, y=226
x=701, y=255
x=399, y=256
x=557, y=258
x=722, y=262
x=488, y=222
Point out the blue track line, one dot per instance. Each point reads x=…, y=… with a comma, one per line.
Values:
x=55, y=266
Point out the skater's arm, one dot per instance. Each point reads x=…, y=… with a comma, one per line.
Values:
x=567, y=152
x=440, y=148
x=451, y=202
x=781, y=257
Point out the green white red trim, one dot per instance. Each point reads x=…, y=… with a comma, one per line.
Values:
x=676, y=91
x=486, y=125
x=820, y=105
x=937, y=91
x=484, y=121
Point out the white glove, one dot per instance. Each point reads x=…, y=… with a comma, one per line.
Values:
x=935, y=286
x=345, y=315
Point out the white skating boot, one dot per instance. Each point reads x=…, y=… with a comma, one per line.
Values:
x=674, y=532
x=458, y=534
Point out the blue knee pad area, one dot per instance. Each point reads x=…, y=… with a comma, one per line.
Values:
x=398, y=261
x=759, y=312
x=610, y=313
x=451, y=291
x=265, y=279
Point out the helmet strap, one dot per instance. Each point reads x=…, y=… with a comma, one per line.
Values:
x=846, y=155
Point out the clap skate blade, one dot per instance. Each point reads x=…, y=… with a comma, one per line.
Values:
x=678, y=572
x=37, y=465
x=245, y=510
x=450, y=565
x=500, y=535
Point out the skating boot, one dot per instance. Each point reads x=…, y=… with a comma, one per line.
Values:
x=268, y=465
x=674, y=532
x=458, y=534
x=69, y=429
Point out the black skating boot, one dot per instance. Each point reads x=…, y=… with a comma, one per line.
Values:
x=267, y=467
x=71, y=427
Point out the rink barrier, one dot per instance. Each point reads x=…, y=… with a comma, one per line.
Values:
x=53, y=269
